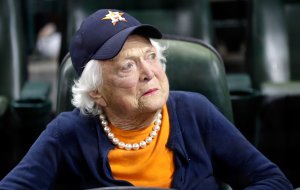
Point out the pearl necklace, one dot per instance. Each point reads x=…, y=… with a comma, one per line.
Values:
x=129, y=146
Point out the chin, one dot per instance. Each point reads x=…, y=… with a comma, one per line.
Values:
x=153, y=105
x=154, y=102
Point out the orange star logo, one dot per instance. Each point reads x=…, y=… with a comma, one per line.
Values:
x=115, y=17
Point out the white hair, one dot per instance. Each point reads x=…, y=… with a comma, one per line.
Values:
x=91, y=80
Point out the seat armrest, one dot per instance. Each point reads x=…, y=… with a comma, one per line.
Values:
x=35, y=90
x=3, y=105
x=284, y=88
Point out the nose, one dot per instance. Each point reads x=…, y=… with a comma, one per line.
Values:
x=146, y=71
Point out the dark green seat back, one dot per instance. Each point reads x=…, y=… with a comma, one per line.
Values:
x=268, y=43
x=292, y=15
x=13, y=70
x=12, y=76
x=275, y=63
x=274, y=42
x=194, y=66
x=66, y=76
x=191, y=66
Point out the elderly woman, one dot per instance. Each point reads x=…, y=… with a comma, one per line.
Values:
x=127, y=128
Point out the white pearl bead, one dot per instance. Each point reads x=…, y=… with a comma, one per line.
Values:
x=148, y=140
x=110, y=135
x=128, y=146
x=159, y=116
x=115, y=140
x=157, y=122
x=156, y=128
x=106, y=129
x=143, y=144
x=102, y=117
x=153, y=134
x=104, y=123
x=135, y=146
x=121, y=145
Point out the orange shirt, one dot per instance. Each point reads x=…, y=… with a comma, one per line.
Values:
x=152, y=166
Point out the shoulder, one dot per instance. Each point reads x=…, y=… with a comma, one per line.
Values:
x=186, y=107
x=191, y=100
x=192, y=106
x=70, y=123
x=185, y=94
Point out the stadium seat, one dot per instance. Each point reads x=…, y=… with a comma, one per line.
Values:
x=16, y=93
x=275, y=72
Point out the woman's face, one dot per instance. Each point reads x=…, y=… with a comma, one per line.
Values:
x=134, y=81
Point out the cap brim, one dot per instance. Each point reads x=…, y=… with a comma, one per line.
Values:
x=114, y=45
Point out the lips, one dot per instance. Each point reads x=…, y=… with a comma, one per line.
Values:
x=150, y=92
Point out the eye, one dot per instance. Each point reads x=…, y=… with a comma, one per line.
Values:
x=151, y=56
x=127, y=66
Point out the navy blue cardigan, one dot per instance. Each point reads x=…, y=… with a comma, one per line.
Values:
x=207, y=148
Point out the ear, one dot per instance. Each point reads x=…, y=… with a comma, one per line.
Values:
x=98, y=98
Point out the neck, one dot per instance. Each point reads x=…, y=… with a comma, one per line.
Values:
x=131, y=121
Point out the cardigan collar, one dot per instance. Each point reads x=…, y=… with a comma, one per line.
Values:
x=175, y=141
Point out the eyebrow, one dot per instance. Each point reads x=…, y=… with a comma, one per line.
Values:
x=130, y=55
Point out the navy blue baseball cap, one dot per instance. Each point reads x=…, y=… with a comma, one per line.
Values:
x=102, y=35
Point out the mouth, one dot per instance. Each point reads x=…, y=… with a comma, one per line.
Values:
x=150, y=92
